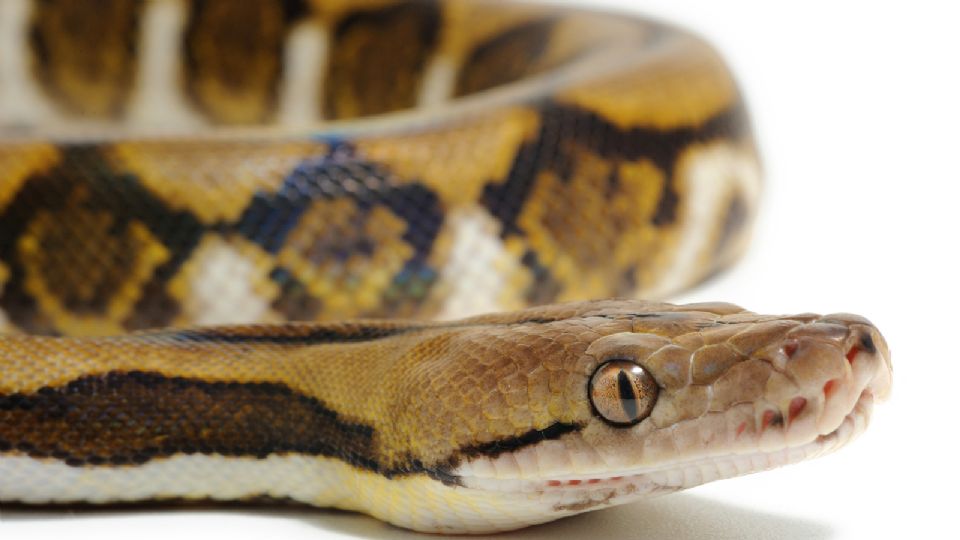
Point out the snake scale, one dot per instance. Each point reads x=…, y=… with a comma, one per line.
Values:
x=196, y=194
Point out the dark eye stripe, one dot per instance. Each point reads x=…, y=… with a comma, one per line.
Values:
x=628, y=396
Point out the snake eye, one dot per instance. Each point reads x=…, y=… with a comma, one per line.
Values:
x=622, y=392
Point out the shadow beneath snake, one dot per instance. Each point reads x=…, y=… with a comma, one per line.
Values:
x=677, y=517
x=680, y=516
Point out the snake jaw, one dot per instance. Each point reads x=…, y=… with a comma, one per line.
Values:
x=569, y=495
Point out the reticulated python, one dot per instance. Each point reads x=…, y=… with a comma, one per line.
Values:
x=181, y=164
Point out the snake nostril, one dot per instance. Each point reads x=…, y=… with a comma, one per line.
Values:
x=790, y=347
x=770, y=418
x=828, y=387
x=864, y=344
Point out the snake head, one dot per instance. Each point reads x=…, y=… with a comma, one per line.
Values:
x=569, y=421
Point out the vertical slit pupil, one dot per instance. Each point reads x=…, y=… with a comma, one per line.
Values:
x=628, y=396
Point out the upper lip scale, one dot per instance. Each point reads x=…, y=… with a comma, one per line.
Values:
x=862, y=408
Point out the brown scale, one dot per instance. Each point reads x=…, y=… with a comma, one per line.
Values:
x=377, y=59
x=233, y=52
x=117, y=257
x=54, y=265
x=507, y=57
x=86, y=57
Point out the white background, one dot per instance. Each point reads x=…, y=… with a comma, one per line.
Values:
x=855, y=105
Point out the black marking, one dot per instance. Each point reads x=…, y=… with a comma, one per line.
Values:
x=378, y=57
x=294, y=301
x=505, y=200
x=420, y=208
x=534, y=436
x=867, y=345
x=545, y=287
x=332, y=333
x=159, y=504
x=506, y=57
x=109, y=190
x=237, y=46
x=131, y=418
x=628, y=397
x=108, y=38
x=551, y=151
x=291, y=334
x=271, y=217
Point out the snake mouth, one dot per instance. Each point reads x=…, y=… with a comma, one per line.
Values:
x=685, y=474
x=576, y=493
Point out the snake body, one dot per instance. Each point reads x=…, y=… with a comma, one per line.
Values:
x=222, y=168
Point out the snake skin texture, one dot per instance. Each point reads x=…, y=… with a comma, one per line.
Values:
x=196, y=194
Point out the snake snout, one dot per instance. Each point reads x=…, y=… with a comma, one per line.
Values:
x=833, y=368
x=866, y=351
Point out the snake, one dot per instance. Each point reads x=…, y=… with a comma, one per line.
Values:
x=402, y=257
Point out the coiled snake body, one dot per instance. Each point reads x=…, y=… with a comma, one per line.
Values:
x=219, y=168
